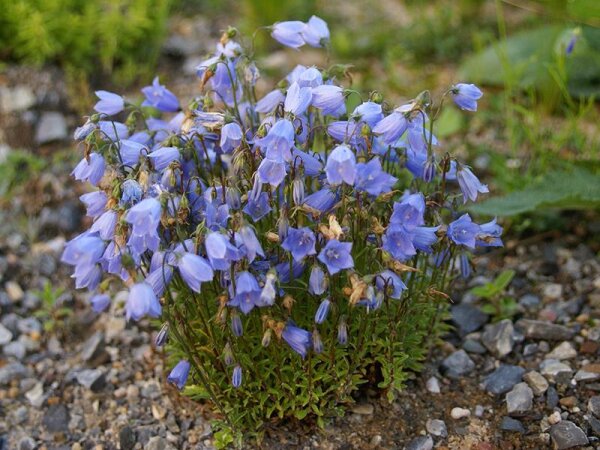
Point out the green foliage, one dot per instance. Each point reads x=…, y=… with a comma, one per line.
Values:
x=577, y=188
x=53, y=316
x=383, y=346
x=498, y=305
x=97, y=37
x=18, y=168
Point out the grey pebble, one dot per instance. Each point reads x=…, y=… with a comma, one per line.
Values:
x=513, y=425
x=565, y=434
x=519, y=399
x=458, y=364
x=420, y=443
x=503, y=379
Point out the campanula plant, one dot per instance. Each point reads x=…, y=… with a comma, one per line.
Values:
x=293, y=249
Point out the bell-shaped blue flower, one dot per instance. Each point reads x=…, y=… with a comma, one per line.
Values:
x=409, y=211
x=270, y=101
x=90, y=169
x=463, y=231
x=236, y=378
x=297, y=99
x=490, y=234
x=194, y=270
x=397, y=241
x=279, y=141
x=248, y=243
x=247, y=292
x=271, y=172
x=160, y=97
x=131, y=151
x=164, y=156
x=110, y=103
x=393, y=126
x=221, y=253
x=297, y=338
x=231, y=137
x=371, y=178
x=179, y=374
x=311, y=77
x=142, y=301
x=105, y=225
x=329, y=99
x=289, y=33
x=466, y=95
x=259, y=208
x=100, y=302
x=369, y=113
x=341, y=166
x=391, y=283
x=131, y=192
x=469, y=184
x=424, y=237
x=300, y=243
x=316, y=32
x=317, y=283
x=95, y=202
x=336, y=256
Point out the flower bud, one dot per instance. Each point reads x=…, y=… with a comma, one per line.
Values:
x=236, y=378
x=322, y=311
x=376, y=97
x=228, y=355
x=317, y=343
x=266, y=339
x=298, y=191
x=288, y=302
x=161, y=337
x=429, y=170
x=342, y=334
x=236, y=324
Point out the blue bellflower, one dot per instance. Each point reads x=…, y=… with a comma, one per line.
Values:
x=371, y=178
x=100, y=302
x=341, y=166
x=194, y=270
x=247, y=292
x=297, y=338
x=300, y=243
x=322, y=311
x=90, y=169
x=317, y=283
x=336, y=256
x=391, y=283
x=329, y=99
x=463, y=231
x=236, y=378
x=469, y=184
x=110, y=103
x=297, y=99
x=289, y=33
x=142, y=301
x=179, y=374
x=316, y=32
x=163, y=156
x=95, y=203
x=466, y=95
x=231, y=137
x=160, y=97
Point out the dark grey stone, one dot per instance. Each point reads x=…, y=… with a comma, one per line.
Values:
x=513, y=425
x=127, y=438
x=551, y=398
x=565, y=434
x=56, y=419
x=502, y=380
x=473, y=346
x=519, y=399
x=12, y=371
x=468, y=318
x=93, y=379
x=594, y=405
x=537, y=329
x=457, y=364
x=420, y=443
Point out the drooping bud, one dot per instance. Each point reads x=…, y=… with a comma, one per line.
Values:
x=236, y=324
x=342, y=334
x=228, y=355
x=161, y=337
x=266, y=339
x=317, y=343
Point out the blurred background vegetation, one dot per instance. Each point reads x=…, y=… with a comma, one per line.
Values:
x=536, y=137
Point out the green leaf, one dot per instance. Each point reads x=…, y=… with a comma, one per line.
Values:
x=503, y=280
x=563, y=189
x=486, y=291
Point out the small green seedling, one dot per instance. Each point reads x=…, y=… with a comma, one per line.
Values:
x=498, y=305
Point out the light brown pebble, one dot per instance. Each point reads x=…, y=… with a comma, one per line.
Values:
x=459, y=413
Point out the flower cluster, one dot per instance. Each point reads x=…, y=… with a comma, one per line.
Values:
x=288, y=209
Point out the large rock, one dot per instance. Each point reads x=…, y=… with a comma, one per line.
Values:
x=457, y=364
x=502, y=380
x=565, y=434
x=537, y=329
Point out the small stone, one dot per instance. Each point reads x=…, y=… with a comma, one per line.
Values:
x=27, y=443
x=583, y=376
x=537, y=329
x=17, y=98
x=551, y=368
x=158, y=443
x=420, y=443
x=568, y=402
x=363, y=409
x=126, y=438
x=594, y=424
x=566, y=434
x=594, y=405
x=436, y=427
x=29, y=325
x=114, y=328
x=553, y=291
x=498, y=338
x=14, y=291
x=5, y=335
x=12, y=371
x=36, y=396
x=502, y=380
x=458, y=364
x=519, y=399
x=158, y=412
x=589, y=347
x=551, y=398
x=56, y=419
x=376, y=441
x=16, y=349
x=529, y=301
x=51, y=127
x=562, y=351
x=433, y=385
x=530, y=349
x=20, y=415
x=536, y=382
x=512, y=425
x=92, y=379
x=93, y=348
x=479, y=411
x=459, y=413
x=554, y=418
x=473, y=346
x=468, y=318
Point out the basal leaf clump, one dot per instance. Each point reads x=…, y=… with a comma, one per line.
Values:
x=292, y=249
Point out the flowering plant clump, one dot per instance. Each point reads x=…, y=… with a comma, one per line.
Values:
x=292, y=248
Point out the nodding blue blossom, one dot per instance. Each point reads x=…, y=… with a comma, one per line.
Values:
x=231, y=137
x=316, y=32
x=300, y=243
x=247, y=292
x=236, y=378
x=297, y=338
x=371, y=178
x=391, y=283
x=317, y=283
x=90, y=169
x=393, y=126
x=322, y=311
x=163, y=156
x=160, y=97
x=142, y=301
x=336, y=256
x=179, y=374
x=100, y=302
x=289, y=33
x=245, y=201
x=463, y=231
x=297, y=99
x=131, y=192
x=95, y=203
x=490, y=234
x=194, y=270
x=466, y=95
x=341, y=166
x=469, y=184
x=329, y=99
x=109, y=103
